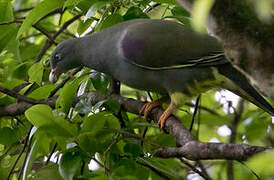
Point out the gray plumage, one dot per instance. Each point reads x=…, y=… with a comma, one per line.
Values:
x=159, y=56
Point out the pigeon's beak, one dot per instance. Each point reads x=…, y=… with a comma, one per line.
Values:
x=53, y=76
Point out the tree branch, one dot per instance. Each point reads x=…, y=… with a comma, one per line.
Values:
x=187, y=145
x=248, y=41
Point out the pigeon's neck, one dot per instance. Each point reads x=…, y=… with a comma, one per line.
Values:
x=91, y=53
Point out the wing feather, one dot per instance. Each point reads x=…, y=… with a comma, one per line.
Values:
x=159, y=45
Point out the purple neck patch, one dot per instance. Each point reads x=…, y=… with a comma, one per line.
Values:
x=133, y=48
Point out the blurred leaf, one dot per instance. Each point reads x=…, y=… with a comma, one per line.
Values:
x=262, y=163
x=133, y=13
x=94, y=8
x=181, y=14
x=71, y=3
x=6, y=13
x=171, y=2
x=69, y=163
x=133, y=148
x=200, y=11
x=83, y=26
x=35, y=73
x=162, y=167
x=264, y=9
x=38, y=12
x=47, y=173
x=7, y=136
x=257, y=128
x=83, y=106
x=110, y=21
x=7, y=33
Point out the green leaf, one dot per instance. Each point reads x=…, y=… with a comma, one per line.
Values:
x=110, y=21
x=42, y=92
x=99, y=81
x=67, y=95
x=133, y=13
x=83, y=26
x=181, y=14
x=35, y=73
x=40, y=115
x=200, y=13
x=38, y=12
x=71, y=3
x=7, y=33
x=94, y=8
x=7, y=136
x=262, y=163
x=133, y=148
x=6, y=13
x=171, y=2
x=43, y=142
x=69, y=164
x=164, y=168
x=96, y=133
x=47, y=173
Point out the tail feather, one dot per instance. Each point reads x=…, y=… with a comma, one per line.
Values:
x=244, y=88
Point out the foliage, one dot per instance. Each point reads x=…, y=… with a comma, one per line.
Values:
x=55, y=143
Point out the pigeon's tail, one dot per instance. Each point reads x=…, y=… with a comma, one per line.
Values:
x=244, y=88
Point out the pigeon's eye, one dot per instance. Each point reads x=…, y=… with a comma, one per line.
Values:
x=58, y=56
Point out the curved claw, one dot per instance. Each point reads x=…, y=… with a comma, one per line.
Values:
x=165, y=115
x=145, y=110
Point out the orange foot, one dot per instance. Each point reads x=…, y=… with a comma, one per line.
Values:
x=165, y=115
x=148, y=107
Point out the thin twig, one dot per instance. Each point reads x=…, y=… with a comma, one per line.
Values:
x=20, y=154
x=108, y=149
x=11, y=22
x=203, y=170
x=194, y=169
x=19, y=96
x=26, y=157
x=100, y=164
x=204, y=108
x=54, y=91
x=156, y=171
x=43, y=31
x=237, y=117
x=48, y=43
x=23, y=10
x=51, y=153
x=195, y=112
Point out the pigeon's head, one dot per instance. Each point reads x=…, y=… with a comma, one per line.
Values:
x=64, y=57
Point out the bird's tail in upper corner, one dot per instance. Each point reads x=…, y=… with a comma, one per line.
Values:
x=245, y=89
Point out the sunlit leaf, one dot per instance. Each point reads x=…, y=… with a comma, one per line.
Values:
x=38, y=12
x=6, y=13
x=262, y=163
x=200, y=13
x=35, y=73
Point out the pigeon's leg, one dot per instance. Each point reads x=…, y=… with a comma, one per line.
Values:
x=166, y=114
x=177, y=99
x=146, y=109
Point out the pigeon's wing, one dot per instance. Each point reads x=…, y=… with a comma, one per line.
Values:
x=158, y=45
